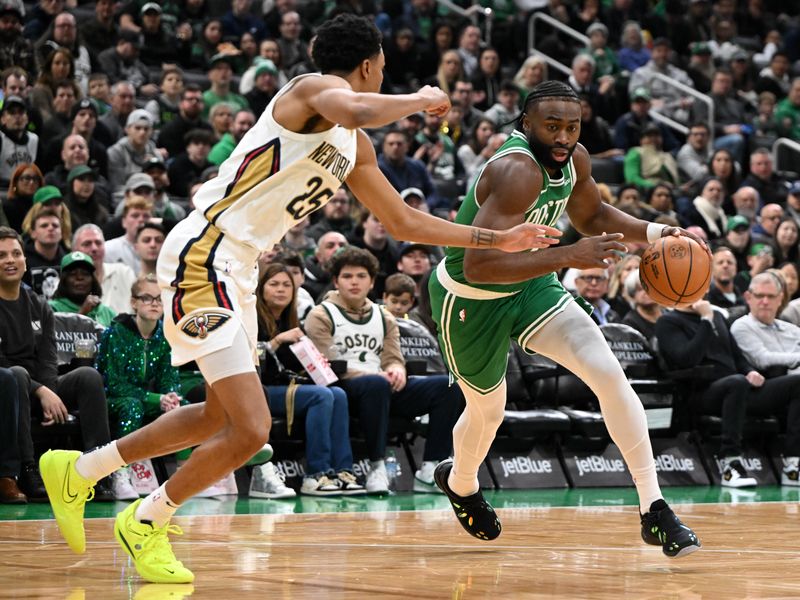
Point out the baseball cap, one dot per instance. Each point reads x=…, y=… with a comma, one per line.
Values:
x=76, y=259
x=80, y=171
x=13, y=101
x=597, y=27
x=650, y=129
x=265, y=65
x=640, y=92
x=47, y=193
x=757, y=249
x=700, y=48
x=82, y=104
x=412, y=191
x=154, y=162
x=138, y=116
x=12, y=6
x=222, y=57
x=737, y=221
x=795, y=189
x=740, y=55
x=151, y=6
x=411, y=246
x=138, y=180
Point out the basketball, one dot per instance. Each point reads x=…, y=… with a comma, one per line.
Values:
x=675, y=271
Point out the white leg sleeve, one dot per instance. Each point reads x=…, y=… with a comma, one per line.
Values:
x=573, y=340
x=473, y=434
x=233, y=360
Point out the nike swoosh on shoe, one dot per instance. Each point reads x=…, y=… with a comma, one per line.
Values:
x=65, y=493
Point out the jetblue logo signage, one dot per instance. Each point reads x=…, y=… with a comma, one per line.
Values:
x=538, y=468
x=678, y=463
x=756, y=463
x=598, y=469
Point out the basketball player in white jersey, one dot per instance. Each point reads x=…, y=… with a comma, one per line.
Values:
x=302, y=148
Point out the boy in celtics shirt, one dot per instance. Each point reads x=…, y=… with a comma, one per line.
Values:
x=482, y=300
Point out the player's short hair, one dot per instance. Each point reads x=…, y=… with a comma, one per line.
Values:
x=547, y=90
x=398, y=284
x=354, y=257
x=343, y=43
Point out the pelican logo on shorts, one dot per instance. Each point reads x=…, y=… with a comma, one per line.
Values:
x=201, y=325
x=677, y=252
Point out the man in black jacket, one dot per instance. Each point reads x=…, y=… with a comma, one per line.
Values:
x=28, y=348
x=189, y=117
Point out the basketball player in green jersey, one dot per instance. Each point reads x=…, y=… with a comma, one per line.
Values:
x=481, y=300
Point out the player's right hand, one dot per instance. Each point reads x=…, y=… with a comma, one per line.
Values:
x=437, y=102
x=593, y=252
x=527, y=236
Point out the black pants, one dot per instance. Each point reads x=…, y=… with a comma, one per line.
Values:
x=733, y=398
x=9, y=422
x=371, y=398
x=82, y=392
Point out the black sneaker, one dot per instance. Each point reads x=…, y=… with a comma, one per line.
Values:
x=660, y=527
x=104, y=490
x=473, y=512
x=30, y=482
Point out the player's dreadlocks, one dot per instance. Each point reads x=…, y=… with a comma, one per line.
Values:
x=547, y=90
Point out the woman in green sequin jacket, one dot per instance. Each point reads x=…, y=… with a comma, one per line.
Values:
x=134, y=360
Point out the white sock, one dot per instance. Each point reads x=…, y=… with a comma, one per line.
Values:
x=473, y=434
x=100, y=462
x=572, y=339
x=157, y=508
x=377, y=464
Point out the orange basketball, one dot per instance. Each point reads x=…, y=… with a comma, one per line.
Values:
x=675, y=271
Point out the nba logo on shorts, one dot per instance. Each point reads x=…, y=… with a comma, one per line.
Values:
x=462, y=315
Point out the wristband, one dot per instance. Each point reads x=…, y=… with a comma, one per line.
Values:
x=655, y=231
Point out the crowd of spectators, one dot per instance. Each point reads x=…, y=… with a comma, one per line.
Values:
x=113, y=114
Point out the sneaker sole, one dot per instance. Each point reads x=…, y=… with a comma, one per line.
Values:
x=685, y=551
x=272, y=496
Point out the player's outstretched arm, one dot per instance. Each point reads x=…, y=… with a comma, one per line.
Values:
x=402, y=222
x=333, y=98
x=505, y=191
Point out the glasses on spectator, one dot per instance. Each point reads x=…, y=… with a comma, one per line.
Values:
x=148, y=299
x=30, y=178
x=592, y=278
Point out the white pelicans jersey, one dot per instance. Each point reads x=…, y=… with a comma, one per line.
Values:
x=275, y=178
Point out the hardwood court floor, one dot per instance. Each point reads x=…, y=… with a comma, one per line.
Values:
x=751, y=550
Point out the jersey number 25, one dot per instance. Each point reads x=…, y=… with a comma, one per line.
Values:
x=303, y=205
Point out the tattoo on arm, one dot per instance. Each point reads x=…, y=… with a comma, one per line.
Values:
x=483, y=238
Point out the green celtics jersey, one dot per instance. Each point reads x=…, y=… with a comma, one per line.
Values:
x=545, y=209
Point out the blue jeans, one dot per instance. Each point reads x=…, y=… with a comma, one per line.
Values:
x=373, y=401
x=9, y=423
x=327, y=424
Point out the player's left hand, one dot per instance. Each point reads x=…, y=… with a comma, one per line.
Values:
x=681, y=231
x=527, y=236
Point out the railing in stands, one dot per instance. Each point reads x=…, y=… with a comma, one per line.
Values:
x=472, y=13
x=705, y=99
x=792, y=145
x=565, y=29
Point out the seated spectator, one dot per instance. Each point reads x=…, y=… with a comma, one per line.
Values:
x=242, y=123
x=81, y=198
x=350, y=327
x=63, y=33
x=628, y=128
x=116, y=279
x=722, y=291
x=595, y=132
x=221, y=117
x=792, y=203
x=297, y=241
x=403, y=171
x=295, y=264
x=706, y=211
x=775, y=77
x=220, y=74
x=163, y=207
x=617, y=296
x=633, y=53
x=265, y=86
x=329, y=456
x=190, y=116
x=771, y=187
x=474, y=153
x=785, y=241
x=694, y=155
x=646, y=311
x=698, y=335
x=130, y=153
x=415, y=199
x=772, y=346
x=44, y=250
x=417, y=344
x=600, y=92
x=605, y=60
x=159, y=44
x=138, y=184
x=787, y=113
x=100, y=91
x=31, y=355
x=592, y=286
x=730, y=120
x=149, y=239
x=759, y=259
x=317, y=267
x=767, y=128
x=188, y=167
x=669, y=99
x=504, y=112
x=18, y=146
x=415, y=261
x=372, y=236
x=138, y=210
x=701, y=66
x=463, y=94
x=438, y=152
x=648, y=164
x=660, y=200
x=335, y=216
x=74, y=153
x=10, y=448
x=57, y=67
x=746, y=202
x=18, y=50
x=790, y=271
x=165, y=107
x=121, y=62
x=767, y=221
x=134, y=359
x=122, y=105
x=79, y=290
x=25, y=180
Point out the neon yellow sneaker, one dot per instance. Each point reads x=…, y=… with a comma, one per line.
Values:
x=68, y=493
x=149, y=548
